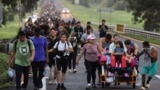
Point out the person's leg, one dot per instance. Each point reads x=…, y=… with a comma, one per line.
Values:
x=89, y=72
x=58, y=76
x=64, y=69
x=74, y=60
x=18, y=70
x=35, y=70
x=26, y=75
x=41, y=66
x=144, y=72
x=152, y=72
x=94, y=66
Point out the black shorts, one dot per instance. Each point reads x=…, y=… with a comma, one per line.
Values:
x=61, y=64
x=51, y=62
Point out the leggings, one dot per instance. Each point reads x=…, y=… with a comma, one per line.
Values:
x=91, y=71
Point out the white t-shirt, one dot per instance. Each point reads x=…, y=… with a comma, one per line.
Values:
x=61, y=46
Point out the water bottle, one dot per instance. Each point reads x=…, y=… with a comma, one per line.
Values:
x=47, y=70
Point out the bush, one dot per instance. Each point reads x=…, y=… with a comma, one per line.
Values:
x=4, y=81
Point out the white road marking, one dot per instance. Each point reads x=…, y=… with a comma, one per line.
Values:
x=44, y=83
x=157, y=76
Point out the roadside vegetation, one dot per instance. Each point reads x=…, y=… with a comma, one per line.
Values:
x=4, y=82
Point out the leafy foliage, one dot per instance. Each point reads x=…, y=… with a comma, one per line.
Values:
x=17, y=6
x=147, y=11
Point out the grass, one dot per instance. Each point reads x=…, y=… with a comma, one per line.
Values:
x=143, y=38
x=117, y=17
x=10, y=30
x=91, y=14
x=3, y=82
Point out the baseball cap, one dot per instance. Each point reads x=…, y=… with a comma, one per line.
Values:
x=91, y=36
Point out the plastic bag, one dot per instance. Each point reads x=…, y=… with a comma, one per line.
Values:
x=11, y=72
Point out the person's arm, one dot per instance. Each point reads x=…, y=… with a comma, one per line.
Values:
x=153, y=54
x=106, y=28
x=79, y=57
x=100, y=44
x=70, y=49
x=11, y=57
x=46, y=50
x=136, y=49
x=32, y=52
x=139, y=54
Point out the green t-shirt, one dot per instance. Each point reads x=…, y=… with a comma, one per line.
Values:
x=23, y=52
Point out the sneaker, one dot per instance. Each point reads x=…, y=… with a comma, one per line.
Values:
x=93, y=86
x=143, y=88
x=147, y=85
x=89, y=87
x=55, y=81
x=50, y=82
x=63, y=87
x=74, y=70
x=69, y=70
x=58, y=87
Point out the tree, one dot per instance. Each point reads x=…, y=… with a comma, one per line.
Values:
x=147, y=11
x=25, y=6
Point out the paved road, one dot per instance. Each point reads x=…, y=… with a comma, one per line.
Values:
x=77, y=81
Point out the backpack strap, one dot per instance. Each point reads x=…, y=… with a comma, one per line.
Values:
x=29, y=44
x=15, y=45
x=67, y=44
x=57, y=45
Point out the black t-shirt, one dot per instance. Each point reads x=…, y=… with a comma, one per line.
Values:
x=51, y=43
x=78, y=31
x=103, y=29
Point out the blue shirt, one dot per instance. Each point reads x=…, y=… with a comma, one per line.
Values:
x=40, y=44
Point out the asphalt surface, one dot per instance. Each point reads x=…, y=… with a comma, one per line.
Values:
x=78, y=81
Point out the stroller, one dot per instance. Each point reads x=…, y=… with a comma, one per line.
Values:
x=113, y=72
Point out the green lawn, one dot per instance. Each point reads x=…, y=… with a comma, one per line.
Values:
x=10, y=30
x=91, y=14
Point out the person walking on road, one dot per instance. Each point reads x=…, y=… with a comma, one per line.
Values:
x=63, y=48
x=41, y=57
x=150, y=63
x=91, y=50
x=23, y=51
x=51, y=42
x=103, y=29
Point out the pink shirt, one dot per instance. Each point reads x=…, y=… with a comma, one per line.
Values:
x=91, y=52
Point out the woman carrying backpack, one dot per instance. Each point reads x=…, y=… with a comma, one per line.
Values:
x=62, y=48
